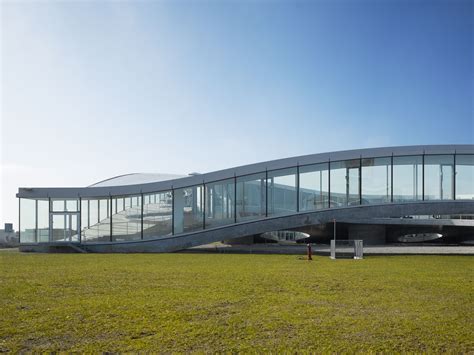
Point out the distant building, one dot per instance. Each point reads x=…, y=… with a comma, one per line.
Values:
x=8, y=237
x=422, y=194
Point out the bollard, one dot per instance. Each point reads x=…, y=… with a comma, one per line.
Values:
x=309, y=252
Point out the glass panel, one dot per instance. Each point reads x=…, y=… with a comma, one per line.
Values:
x=251, y=195
x=27, y=220
x=345, y=183
x=43, y=221
x=376, y=180
x=464, y=177
x=64, y=227
x=103, y=209
x=127, y=224
x=220, y=203
x=72, y=225
x=407, y=178
x=157, y=216
x=99, y=223
x=65, y=205
x=84, y=217
x=439, y=177
x=58, y=227
x=314, y=187
x=58, y=205
x=188, y=212
x=281, y=191
x=72, y=205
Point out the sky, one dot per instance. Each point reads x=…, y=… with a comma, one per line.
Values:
x=95, y=89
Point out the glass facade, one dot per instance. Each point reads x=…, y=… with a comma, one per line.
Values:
x=251, y=197
x=188, y=210
x=270, y=193
x=407, y=178
x=27, y=220
x=126, y=224
x=282, y=192
x=376, y=180
x=344, y=183
x=439, y=177
x=219, y=206
x=157, y=215
x=314, y=187
x=43, y=221
x=464, y=177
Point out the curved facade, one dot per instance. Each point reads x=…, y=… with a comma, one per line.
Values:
x=173, y=214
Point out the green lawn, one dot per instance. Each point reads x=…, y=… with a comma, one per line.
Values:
x=225, y=302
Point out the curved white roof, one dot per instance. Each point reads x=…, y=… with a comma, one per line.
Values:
x=135, y=178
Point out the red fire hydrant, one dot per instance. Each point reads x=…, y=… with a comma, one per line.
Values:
x=310, y=254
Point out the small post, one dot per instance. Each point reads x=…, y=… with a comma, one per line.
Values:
x=310, y=254
x=334, y=221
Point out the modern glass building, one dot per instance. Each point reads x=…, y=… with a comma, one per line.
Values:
x=163, y=213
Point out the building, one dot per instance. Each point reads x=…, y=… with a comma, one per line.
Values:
x=381, y=195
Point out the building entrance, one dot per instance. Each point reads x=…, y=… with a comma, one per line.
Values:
x=64, y=227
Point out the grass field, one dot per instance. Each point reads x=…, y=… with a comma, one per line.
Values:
x=218, y=302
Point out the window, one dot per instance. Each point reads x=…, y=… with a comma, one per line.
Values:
x=251, y=197
x=157, y=214
x=220, y=203
x=407, y=178
x=281, y=191
x=127, y=224
x=27, y=220
x=188, y=209
x=314, y=187
x=345, y=183
x=464, y=177
x=439, y=173
x=376, y=180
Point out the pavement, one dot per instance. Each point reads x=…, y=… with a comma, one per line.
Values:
x=321, y=249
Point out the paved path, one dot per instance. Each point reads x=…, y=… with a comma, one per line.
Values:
x=325, y=249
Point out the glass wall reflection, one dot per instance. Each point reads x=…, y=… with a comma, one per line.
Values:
x=157, y=215
x=407, y=178
x=127, y=223
x=439, y=177
x=376, y=180
x=281, y=189
x=464, y=177
x=220, y=203
x=188, y=209
x=344, y=183
x=251, y=197
x=43, y=221
x=314, y=187
x=27, y=220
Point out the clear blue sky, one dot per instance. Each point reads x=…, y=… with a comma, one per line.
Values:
x=93, y=89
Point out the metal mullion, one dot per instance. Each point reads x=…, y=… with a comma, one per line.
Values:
x=266, y=193
x=110, y=227
x=141, y=216
x=36, y=221
x=203, y=196
x=423, y=176
x=235, y=198
x=329, y=184
x=391, y=178
x=454, y=177
x=79, y=222
x=172, y=210
x=19, y=220
x=297, y=188
x=360, y=181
